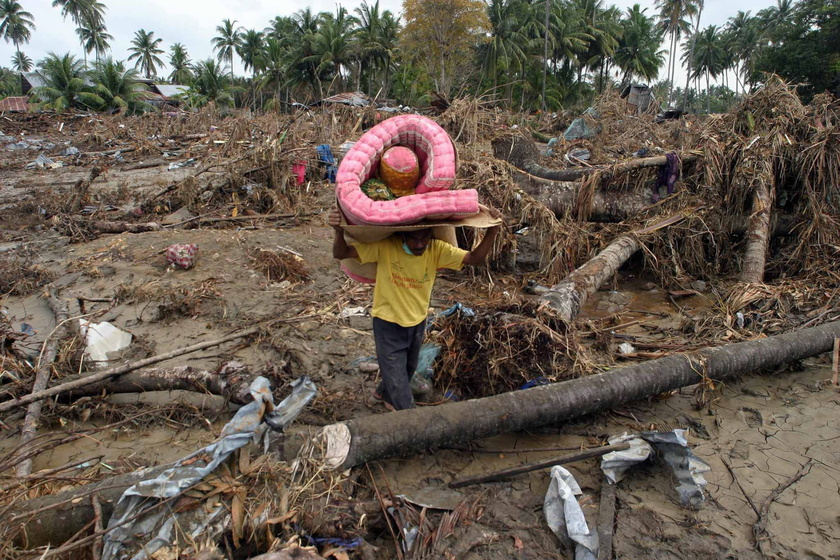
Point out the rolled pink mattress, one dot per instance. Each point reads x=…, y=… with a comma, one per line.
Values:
x=438, y=164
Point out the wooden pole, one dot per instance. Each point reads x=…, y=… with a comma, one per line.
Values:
x=561, y=460
x=836, y=362
x=113, y=372
x=42, y=378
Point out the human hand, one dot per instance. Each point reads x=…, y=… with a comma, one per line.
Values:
x=494, y=213
x=334, y=219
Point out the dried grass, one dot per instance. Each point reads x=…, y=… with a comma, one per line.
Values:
x=503, y=347
x=280, y=265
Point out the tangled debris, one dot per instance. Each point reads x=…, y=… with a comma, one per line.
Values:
x=750, y=253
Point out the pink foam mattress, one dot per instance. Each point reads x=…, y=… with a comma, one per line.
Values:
x=438, y=163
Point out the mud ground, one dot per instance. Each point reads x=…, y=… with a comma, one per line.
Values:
x=756, y=434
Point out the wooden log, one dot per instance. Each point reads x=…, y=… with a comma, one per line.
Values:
x=181, y=378
x=606, y=520
x=410, y=431
x=758, y=234
x=612, y=206
x=123, y=227
x=42, y=377
x=49, y=519
x=115, y=371
x=521, y=469
x=522, y=153
x=568, y=297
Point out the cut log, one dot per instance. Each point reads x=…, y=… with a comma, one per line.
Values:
x=522, y=153
x=42, y=378
x=410, y=431
x=758, y=235
x=49, y=519
x=181, y=378
x=568, y=297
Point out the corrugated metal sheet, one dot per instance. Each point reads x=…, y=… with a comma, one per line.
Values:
x=356, y=99
x=167, y=90
x=14, y=105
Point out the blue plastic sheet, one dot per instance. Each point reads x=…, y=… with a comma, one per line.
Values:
x=326, y=157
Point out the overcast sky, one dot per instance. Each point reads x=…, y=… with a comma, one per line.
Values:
x=193, y=22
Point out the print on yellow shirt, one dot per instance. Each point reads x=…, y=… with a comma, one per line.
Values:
x=404, y=282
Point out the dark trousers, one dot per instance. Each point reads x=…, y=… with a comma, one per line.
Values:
x=397, y=349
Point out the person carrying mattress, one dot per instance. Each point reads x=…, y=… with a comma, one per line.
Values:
x=406, y=265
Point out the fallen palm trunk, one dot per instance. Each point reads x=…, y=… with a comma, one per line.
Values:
x=522, y=153
x=411, y=431
x=758, y=234
x=42, y=378
x=568, y=297
x=561, y=197
x=54, y=519
x=236, y=389
x=113, y=372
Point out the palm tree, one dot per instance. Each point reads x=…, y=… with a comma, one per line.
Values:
x=638, y=51
x=64, y=84
x=179, y=61
x=118, y=88
x=146, y=49
x=690, y=58
x=709, y=57
x=672, y=14
x=332, y=44
x=251, y=45
x=211, y=84
x=16, y=26
x=747, y=36
x=89, y=17
x=227, y=41
x=506, y=48
x=95, y=38
x=21, y=63
x=603, y=25
x=273, y=61
x=368, y=48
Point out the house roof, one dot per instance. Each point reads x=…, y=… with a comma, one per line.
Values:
x=170, y=90
x=34, y=79
x=14, y=105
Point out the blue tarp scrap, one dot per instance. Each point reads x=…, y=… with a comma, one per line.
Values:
x=325, y=156
x=536, y=382
x=580, y=129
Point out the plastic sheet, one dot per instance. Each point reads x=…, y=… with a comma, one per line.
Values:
x=673, y=448
x=139, y=527
x=565, y=517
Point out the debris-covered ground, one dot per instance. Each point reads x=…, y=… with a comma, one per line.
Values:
x=91, y=205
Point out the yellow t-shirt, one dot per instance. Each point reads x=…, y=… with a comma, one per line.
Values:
x=404, y=282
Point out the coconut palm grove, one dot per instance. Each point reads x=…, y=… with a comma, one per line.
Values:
x=521, y=54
